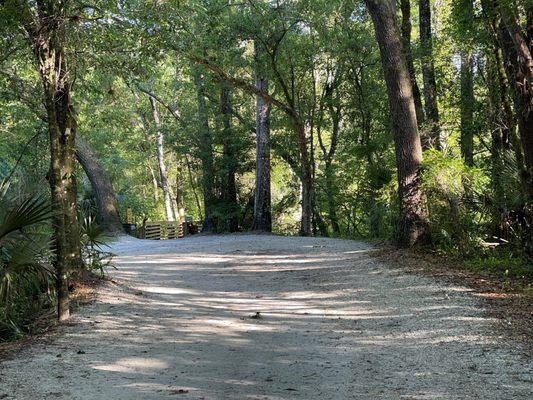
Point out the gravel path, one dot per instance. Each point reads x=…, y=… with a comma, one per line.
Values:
x=181, y=322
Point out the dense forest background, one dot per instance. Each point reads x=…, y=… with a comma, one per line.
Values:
x=207, y=106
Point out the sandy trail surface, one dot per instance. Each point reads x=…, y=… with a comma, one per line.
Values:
x=266, y=317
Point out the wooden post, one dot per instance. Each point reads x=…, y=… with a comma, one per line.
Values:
x=183, y=224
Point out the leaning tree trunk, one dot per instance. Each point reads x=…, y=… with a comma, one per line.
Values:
x=46, y=32
x=412, y=225
x=428, y=75
x=104, y=194
x=262, y=202
x=163, y=175
x=229, y=194
x=405, y=6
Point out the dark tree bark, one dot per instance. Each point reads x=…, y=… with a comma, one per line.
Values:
x=506, y=120
x=206, y=152
x=467, y=108
x=516, y=46
x=515, y=43
x=180, y=193
x=508, y=81
x=46, y=32
x=428, y=74
x=229, y=189
x=262, y=220
x=499, y=137
x=509, y=135
x=406, y=28
x=160, y=152
x=412, y=225
x=104, y=194
x=467, y=89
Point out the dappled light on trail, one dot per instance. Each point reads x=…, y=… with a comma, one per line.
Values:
x=265, y=317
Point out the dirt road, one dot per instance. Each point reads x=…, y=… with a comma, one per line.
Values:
x=266, y=317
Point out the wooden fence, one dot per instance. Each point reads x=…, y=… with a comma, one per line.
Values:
x=162, y=230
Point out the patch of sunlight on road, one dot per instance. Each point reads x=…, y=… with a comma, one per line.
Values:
x=138, y=365
x=167, y=290
x=359, y=251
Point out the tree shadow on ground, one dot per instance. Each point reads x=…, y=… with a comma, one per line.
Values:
x=318, y=319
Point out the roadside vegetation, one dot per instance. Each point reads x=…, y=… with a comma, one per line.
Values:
x=27, y=279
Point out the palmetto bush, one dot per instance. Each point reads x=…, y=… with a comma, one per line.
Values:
x=455, y=194
x=93, y=241
x=26, y=279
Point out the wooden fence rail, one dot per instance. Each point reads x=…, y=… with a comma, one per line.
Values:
x=161, y=230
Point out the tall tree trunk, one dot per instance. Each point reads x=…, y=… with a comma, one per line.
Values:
x=516, y=46
x=467, y=108
x=163, y=175
x=412, y=225
x=330, y=176
x=507, y=119
x=428, y=74
x=180, y=192
x=405, y=6
x=229, y=194
x=307, y=180
x=145, y=126
x=193, y=187
x=523, y=105
x=507, y=63
x=46, y=33
x=332, y=207
x=104, y=194
x=467, y=88
x=262, y=203
x=206, y=152
x=328, y=155
x=498, y=135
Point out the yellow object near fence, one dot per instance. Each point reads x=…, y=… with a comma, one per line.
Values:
x=129, y=216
